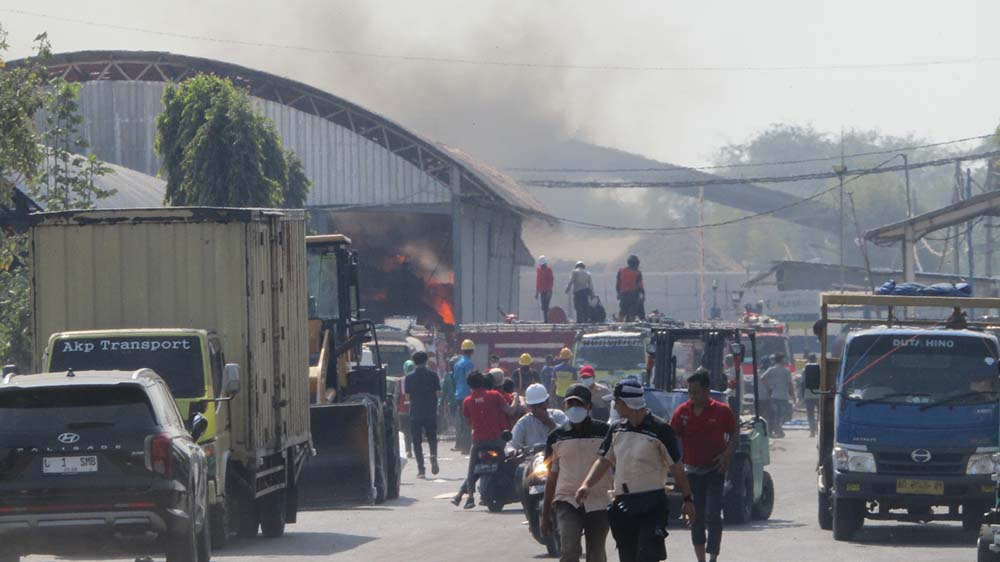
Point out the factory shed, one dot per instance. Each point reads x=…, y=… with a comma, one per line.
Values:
x=439, y=231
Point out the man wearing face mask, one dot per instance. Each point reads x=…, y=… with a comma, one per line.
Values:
x=534, y=427
x=570, y=451
x=601, y=410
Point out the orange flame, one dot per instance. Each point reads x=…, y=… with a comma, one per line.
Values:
x=444, y=310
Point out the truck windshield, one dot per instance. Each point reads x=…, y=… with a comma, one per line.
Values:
x=177, y=359
x=908, y=368
x=394, y=356
x=322, y=280
x=612, y=354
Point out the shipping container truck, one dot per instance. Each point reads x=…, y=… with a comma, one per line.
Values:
x=214, y=300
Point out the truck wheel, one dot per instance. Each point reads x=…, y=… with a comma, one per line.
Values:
x=739, y=501
x=222, y=521
x=272, y=515
x=848, y=517
x=183, y=548
x=983, y=553
x=249, y=520
x=972, y=517
x=762, y=508
x=825, y=511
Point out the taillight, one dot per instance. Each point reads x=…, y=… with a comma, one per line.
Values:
x=488, y=455
x=160, y=454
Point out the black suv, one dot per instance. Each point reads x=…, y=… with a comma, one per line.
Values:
x=99, y=461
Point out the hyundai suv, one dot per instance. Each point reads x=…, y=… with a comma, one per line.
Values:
x=99, y=461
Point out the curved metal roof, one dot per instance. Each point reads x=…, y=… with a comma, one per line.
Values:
x=479, y=181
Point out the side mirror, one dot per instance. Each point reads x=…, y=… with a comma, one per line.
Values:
x=506, y=435
x=231, y=383
x=198, y=426
x=810, y=376
x=9, y=370
x=651, y=349
x=737, y=349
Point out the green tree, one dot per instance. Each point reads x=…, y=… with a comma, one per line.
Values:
x=218, y=151
x=45, y=160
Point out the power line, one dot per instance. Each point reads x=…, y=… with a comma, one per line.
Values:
x=677, y=229
x=751, y=164
x=515, y=64
x=566, y=184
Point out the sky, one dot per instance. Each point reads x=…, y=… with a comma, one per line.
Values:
x=498, y=112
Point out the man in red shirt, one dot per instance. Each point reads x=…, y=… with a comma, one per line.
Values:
x=631, y=292
x=544, y=280
x=486, y=411
x=708, y=432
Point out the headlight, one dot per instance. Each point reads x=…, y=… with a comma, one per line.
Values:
x=846, y=460
x=539, y=468
x=980, y=463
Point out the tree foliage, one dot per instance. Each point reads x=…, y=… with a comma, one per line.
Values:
x=217, y=150
x=43, y=154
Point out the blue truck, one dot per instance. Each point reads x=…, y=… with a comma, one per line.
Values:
x=909, y=413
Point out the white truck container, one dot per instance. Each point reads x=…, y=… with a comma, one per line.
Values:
x=235, y=276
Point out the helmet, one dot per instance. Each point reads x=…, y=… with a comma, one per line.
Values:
x=633, y=260
x=525, y=360
x=468, y=345
x=535, y=395
x=542, y=260
x=409, y=367
x=580, y=265
x=565, y=354
x=586, y=371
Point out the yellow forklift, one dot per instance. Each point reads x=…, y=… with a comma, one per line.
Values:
x=354, y=425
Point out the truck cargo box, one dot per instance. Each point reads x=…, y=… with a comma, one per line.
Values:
x=238, y=272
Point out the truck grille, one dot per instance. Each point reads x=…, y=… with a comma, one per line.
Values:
x=941, y=464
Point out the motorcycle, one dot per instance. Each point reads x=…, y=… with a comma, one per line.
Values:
x=536, y=472
x=498, y=476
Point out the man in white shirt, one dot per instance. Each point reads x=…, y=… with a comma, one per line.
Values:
x=534, y=427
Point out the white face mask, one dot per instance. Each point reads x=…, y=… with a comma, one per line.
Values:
x=576, y=414
x=589, y=381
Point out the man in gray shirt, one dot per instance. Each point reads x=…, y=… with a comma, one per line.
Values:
x=776, y=384
x=534, y=427
x=581, y=286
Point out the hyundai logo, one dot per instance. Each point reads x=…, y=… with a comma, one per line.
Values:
x=921, y=455
x=68, y=438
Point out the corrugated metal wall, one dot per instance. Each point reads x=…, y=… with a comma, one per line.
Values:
x=345, y=168
x=489, y=278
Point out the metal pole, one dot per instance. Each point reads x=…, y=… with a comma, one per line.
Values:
x=968, y=237
x=840, y=171
x=909, y=201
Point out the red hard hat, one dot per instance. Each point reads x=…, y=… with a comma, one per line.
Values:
x=586, y=372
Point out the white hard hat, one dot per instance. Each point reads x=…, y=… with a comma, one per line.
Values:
x=536, y=394
x=542, y=260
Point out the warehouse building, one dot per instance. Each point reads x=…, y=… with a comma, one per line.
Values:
x=427, y=217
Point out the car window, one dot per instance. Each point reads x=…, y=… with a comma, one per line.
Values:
x=56, y=410
x=164, y=402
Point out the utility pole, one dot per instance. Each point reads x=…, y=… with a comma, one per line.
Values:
x=840, y=171
x=909, y=200
x=701, y=257
x=968, y=236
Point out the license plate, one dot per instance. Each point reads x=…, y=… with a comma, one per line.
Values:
x=69, y=465
x=485, y=469
x=537, y=489
x=925, y=487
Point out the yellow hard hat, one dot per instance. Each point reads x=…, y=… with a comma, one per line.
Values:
x=525, y=360
x=565, y=354
x=468, y=345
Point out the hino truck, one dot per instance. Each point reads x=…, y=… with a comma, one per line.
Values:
x=214, y=301
x=908, y=412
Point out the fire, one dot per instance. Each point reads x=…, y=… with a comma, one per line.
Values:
x=444, y=310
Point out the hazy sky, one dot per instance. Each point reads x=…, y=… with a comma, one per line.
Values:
x=675, y=116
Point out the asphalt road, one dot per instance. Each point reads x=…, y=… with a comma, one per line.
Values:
x=423, y=526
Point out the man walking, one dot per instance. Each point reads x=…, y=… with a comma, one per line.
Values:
x=708, y=433
x=809, y=399
x=642, y=449
x=777, y=384
x=581, y=286
x=544, y=281
x=525, y=376
x=423, y=389
x=563, y=373
x=571, y=450
x=485, y=411
x=601, y=409
x=463, y=367
x=631, y=293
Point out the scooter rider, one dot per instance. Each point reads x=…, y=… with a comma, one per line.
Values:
x=642, y=448
x=534, y=427
x=570, y=451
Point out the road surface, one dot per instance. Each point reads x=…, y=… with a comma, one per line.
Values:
x=423, y=526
